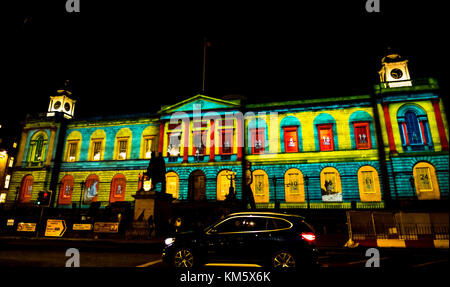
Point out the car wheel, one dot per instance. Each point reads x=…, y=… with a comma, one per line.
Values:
x=183, y=258
x=283, y=259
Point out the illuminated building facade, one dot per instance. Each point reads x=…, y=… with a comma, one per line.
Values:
x=326, y=153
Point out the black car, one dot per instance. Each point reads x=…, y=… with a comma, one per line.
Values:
x=264, y=238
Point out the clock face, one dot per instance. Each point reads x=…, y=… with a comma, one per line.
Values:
x=67, y=107
x=396, y=73
x=57, y=105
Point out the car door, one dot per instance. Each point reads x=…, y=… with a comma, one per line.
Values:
x=224, y=240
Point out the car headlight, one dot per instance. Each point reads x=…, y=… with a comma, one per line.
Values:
x=169, y=241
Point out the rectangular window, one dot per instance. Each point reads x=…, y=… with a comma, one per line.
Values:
x=368, y=181
x=227, y=123
x=362, y=135
x=11, y=162
x=199, y=139
x=122, y=152
x=423, y=179
x=290, y=139
x=96, y=151
x=148, y=142
x=7, y=181
x=326, y=141
x=71, y=156
x=226, y=141
x=259, y=184
x=258, y=146
x=173, y=148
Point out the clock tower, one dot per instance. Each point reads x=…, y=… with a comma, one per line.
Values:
x=394, y=72
x=62, y=103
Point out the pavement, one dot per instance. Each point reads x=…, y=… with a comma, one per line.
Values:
x=332, y=241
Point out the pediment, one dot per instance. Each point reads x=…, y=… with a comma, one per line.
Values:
x=200, y=101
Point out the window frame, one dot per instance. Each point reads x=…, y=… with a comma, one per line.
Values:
x=286, y=130
x=121, y=140
x=366, y=126
x=115, y=182
x=329, y=127
x=258, y=134
x=223, y=136
x=94, y=143
x=66, y=181
x=71, y=150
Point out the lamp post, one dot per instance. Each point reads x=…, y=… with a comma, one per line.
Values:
x=411, y=181
x=231, y=193
x=306, y=181
x=58, y=188
x=277, y=203
x=82, y=185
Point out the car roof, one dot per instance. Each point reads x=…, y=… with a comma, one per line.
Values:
x=265, y=213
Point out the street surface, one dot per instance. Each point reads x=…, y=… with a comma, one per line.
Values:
x=52, y=253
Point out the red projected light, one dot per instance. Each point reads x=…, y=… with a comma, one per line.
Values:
x=308, y=236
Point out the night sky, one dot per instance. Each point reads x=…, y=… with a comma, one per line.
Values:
x=133, y=58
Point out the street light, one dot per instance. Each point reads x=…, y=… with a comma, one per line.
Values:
x=82, y=185
x=411, y=181
x=306, y=180
x=231, y=193
x=277, y=203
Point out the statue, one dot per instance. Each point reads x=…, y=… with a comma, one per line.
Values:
x=156, y=171
x=247, y=194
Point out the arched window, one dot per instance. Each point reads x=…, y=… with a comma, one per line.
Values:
x=330, y=182
x=118, y=186
x=172, y=184
x=425, y=180
x=414, y=128
x=91, y=189
x=369, y=184
x=36, y=149
x=26, y=189
x=260, y=186
x=66, y=190
x=97, y=145
x=223, y=183
x=294, y=186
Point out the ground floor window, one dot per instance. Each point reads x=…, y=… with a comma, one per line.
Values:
x=26, y=189
x=172, y=181
x=260, y=186
x=66, y=190
x=91, y=189
x=224, y=178
x=118, y=186
x=330, y=182
x=369, y=184
x=425, y=181
x=294, y=186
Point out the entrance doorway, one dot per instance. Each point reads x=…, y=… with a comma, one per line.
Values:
x=197, y=186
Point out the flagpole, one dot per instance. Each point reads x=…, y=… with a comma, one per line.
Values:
x=204, y=65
